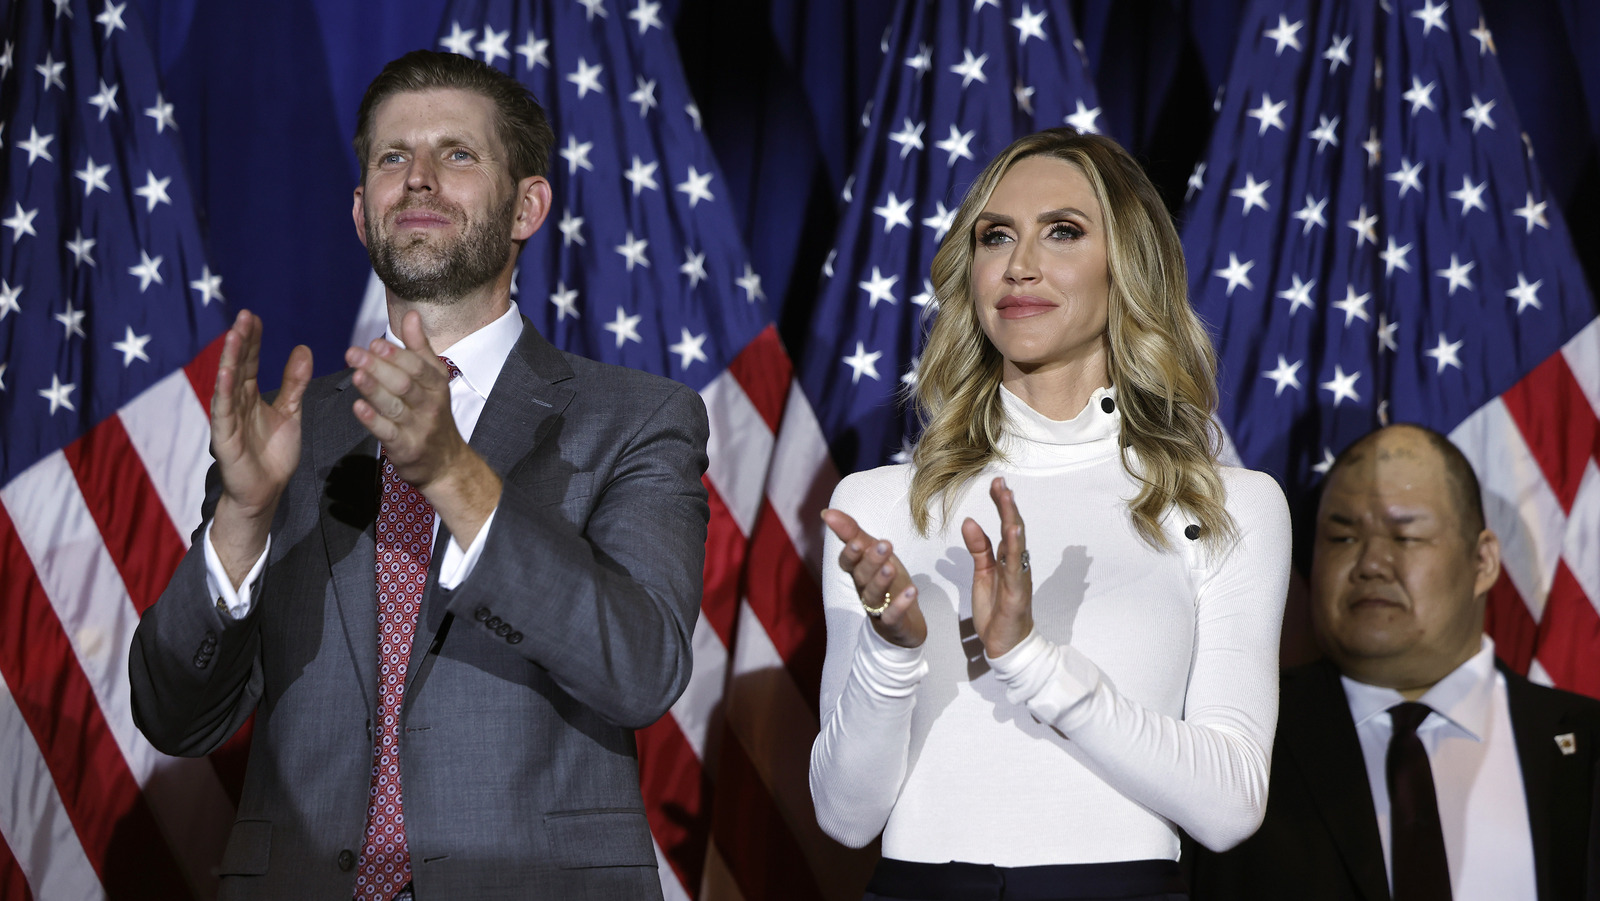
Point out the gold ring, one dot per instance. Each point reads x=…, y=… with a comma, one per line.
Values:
x=878, y=610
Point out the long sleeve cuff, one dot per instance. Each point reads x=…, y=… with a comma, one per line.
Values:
x=884, y=668
x=1055, y=682
x=458, y=563
x=237, y=602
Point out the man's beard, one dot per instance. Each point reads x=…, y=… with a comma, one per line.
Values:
x=423, y=272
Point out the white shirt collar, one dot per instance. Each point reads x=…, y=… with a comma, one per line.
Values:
x=1464, y=698
x=481, y=354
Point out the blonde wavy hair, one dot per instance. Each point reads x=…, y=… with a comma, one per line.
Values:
x=1161, y=360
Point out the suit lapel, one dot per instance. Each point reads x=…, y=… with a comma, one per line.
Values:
x=1319, y=735
x=345, y=458
x=520, y=413
x=1553, y=782
x=527, y=401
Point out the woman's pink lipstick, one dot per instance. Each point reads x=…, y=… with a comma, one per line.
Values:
x=1022, y=306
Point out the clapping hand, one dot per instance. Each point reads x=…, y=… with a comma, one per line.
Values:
x=882, y=583
x=1002, y=590
x=405, y=404
x=256, y=444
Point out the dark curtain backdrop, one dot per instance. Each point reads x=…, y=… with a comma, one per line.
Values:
x=266, y=96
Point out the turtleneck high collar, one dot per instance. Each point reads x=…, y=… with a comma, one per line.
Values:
x=1031, y=438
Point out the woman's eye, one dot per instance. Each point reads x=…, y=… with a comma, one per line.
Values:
x=1065, y=231
x=992, y=236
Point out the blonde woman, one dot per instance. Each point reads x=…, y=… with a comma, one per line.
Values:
x=1034, y=716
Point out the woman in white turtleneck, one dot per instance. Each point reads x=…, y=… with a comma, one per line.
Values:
x=1032, y=714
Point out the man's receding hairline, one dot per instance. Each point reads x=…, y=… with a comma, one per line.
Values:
x=1358, y=451
x=1462, y=486
x=1400, y=452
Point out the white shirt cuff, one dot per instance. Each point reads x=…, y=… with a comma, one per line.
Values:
x=458, y=563
x=238, y=602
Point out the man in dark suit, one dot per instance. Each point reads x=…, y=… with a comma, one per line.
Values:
x=447, y=644
x=1400, y=573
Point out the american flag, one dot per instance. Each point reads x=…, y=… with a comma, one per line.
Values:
x=641, y=264
x=960, y=81
x=1370, y=239
x=107, y=314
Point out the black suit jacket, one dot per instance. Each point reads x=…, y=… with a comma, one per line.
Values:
x=1319, y=840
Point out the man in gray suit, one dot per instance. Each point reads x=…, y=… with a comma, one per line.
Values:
x=447, y=643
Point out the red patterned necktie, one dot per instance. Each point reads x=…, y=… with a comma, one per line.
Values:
x=404, y=550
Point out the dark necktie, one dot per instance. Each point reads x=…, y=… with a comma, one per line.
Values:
x=404, y=551
x=1416, y=838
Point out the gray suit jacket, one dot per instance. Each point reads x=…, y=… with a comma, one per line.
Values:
x=525, y=682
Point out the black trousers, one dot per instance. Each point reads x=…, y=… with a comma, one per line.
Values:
x=1127, y=880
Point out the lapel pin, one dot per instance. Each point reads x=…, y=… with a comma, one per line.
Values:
x=1568, y=743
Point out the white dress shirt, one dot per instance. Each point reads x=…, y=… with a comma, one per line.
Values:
x=1472, y=751
x=479, y=356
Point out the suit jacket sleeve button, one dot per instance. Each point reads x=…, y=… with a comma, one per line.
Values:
x=503, y=629
x=493, y=622
x=480, y=614
x=347, y=860
x=513, y=638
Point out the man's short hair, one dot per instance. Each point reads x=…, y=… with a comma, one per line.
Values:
x=1457, y=471
x=519, y=119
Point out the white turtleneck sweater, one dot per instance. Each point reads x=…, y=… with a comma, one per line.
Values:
x=1146, y=695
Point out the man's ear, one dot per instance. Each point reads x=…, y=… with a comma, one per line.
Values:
x=1486, y=560
x=359, y=214
x=533, y=204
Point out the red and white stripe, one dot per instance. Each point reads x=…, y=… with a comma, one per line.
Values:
x=1536, y=449
x=89, y=536
x=39, y=847
x=725, y=775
